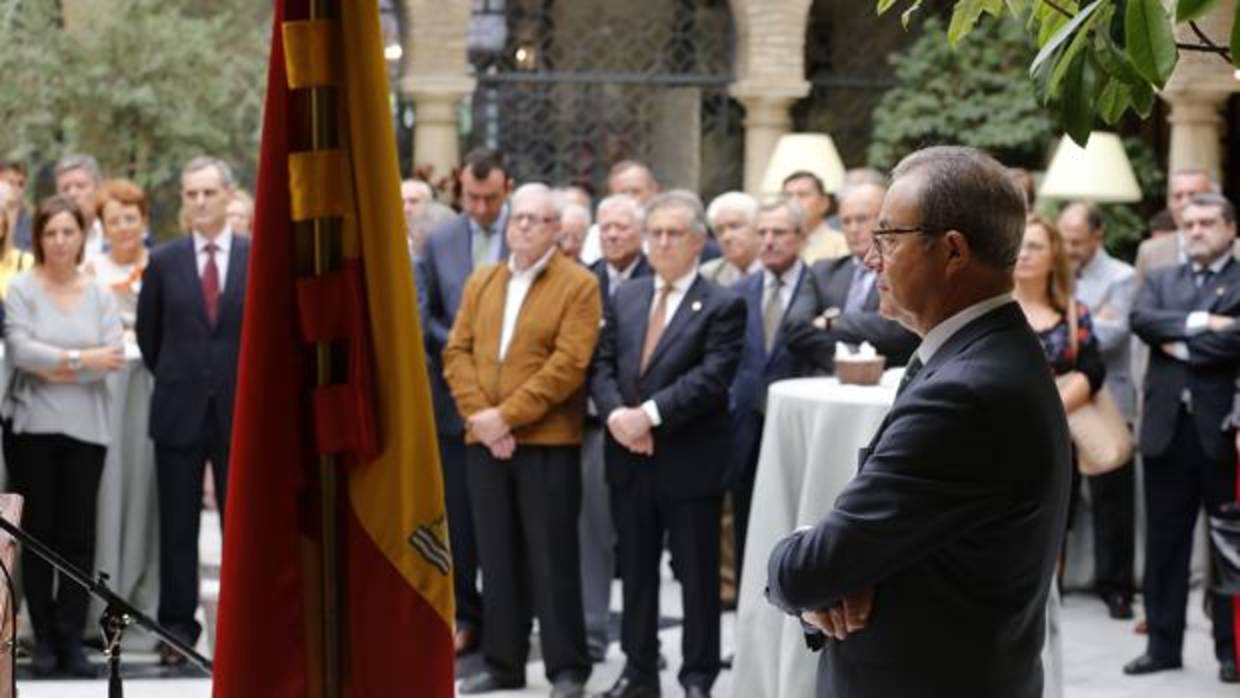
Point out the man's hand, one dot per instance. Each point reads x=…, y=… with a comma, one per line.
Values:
x=503, y=448
x=1220, y=323
x=846, y=617
x=488, y=426
x=631, y=427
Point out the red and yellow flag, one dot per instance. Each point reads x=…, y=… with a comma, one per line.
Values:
x=377, y=421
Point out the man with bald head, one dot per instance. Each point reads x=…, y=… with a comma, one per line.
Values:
x=845, y=305
x=1167, y=250
x=1107, y=287
x=516, y=364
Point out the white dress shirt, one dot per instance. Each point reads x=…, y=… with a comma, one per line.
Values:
x=615, y=276
x=679, y=288
x=519, y=283
x=223, y=243
x=940, y=333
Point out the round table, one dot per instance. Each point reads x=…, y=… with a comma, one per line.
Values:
x=815, y=428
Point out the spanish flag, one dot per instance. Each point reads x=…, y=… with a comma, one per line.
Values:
x=330, y=180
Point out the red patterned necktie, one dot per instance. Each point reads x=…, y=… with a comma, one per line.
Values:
x=211, y=284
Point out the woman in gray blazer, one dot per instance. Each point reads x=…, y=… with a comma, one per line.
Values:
x=62, y=338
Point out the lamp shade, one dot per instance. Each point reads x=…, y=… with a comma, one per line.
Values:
x=1099, y=172
x=814, y=152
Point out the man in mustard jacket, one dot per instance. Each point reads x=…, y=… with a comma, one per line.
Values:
x=516, y=363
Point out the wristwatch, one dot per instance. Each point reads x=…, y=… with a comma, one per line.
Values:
x=828, y=316
x=75, y=360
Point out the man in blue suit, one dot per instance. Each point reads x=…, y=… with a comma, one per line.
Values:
x=189, y=332
x=930, y=576
x=452, y=252
x=668, y=352
x=783, y=283
x=1187, y=315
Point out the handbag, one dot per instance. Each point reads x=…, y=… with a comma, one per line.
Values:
x=1100, y=433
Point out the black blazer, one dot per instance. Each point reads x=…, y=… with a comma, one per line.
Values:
x=831, y=280
x=1158, y=316
x=955, y=519
x=192, y=360
x=688, y=378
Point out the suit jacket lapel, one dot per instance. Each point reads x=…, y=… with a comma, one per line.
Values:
x=1219, y=286
x=635, y=317
x=233, y=286
x=777, y=345
x=188, y=262
x=840, y=281
x=684, y=312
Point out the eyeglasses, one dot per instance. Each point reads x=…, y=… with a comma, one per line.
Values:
x=882, y=246
x=532, y=219
x=670, y=234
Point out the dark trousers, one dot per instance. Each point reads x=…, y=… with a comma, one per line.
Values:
x=1113, y=497
x=461, y=532
x=525, y=515
x=742, y=498
x=643, y=516
x=1177, y=484
x=179, y=472
x=59, y=478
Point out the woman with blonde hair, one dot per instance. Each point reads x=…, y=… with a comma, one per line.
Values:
x=12, y=259
x=122, y=208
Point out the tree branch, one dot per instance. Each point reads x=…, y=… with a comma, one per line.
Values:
x=1207, y=44
x=1058, y=9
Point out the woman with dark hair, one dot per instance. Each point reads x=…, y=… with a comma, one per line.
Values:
x=62, y=338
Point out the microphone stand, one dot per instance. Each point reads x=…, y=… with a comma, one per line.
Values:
x=118, y=615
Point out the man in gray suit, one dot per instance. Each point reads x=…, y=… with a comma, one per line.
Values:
x=452, y=251
x=1107, y=287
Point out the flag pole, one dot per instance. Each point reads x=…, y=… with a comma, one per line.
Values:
x=322, y=137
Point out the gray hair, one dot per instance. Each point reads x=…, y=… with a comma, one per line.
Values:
x=222, y=168
x=1196, y=172
x=851, y=188
x=966, y=190
x=1226, y=209
x=422, y=185
x=79, y=161
x=570, y=209
x=623, y=201
x=684, y=200
x=737, y=201
x=794, y=209
x=864, y=175
x=557, y=203
x=1093, y=216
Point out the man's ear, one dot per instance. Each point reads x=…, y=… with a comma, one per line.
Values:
x=959, y=254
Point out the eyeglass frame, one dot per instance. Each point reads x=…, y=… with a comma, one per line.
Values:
x=877, y=246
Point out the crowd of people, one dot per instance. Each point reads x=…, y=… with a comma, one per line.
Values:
x=599, y=377
x=80, y=284
x=600, y=391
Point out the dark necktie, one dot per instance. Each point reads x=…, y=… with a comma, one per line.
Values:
x=211, y=284
x=910, y=372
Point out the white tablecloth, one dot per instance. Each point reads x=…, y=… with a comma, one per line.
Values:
x=814, y=430
x=127, y=521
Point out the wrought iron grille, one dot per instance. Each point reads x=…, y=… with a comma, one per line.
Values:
x=568, y=88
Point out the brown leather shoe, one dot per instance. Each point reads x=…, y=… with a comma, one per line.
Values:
x=465, y=641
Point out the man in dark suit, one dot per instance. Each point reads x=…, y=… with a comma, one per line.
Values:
x=620, y=235
x=189, y=332
x=1187, y=315
x=668, y=352
x=452, y=251
x=783, y=283
x=844, y=304
x=930, y=576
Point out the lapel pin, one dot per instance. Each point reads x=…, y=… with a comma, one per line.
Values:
x=1220, y=290
x=697, y=305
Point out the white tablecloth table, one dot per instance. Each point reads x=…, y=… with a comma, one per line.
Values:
x=127, y=520
x=814, y=430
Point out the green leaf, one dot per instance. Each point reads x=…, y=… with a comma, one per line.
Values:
x=884, y=5
x=1188, y=10
x=1077, y=108
x=1142, y=98
x=1150, y=42
x=1063, y=34
x=906, y=17
x=1235, y=40
x=965, y=17
x=1114, y=100
x=1017, y=7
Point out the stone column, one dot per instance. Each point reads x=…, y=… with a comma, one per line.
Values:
x=766, y=119
x=436, y=99
x=1196, y=130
